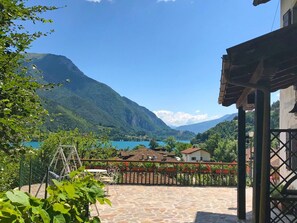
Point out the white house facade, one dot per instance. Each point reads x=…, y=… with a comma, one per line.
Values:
x=195, y=155
x=288, y=96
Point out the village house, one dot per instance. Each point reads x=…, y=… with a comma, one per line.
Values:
x=195, y=155
x=145, y=154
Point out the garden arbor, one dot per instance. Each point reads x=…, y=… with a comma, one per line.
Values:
x=250, y=72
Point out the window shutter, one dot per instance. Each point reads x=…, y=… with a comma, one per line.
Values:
x=294, y=16
x=287, y=18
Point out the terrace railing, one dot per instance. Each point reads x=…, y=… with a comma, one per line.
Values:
x=169, y=173
x=283, y=175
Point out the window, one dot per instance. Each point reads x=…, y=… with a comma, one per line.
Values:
x=193, y=158
x=294, y=16
x=287, y=18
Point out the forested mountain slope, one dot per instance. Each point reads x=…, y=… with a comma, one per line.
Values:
x=81, y=102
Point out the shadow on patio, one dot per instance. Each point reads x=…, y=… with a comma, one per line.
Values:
x=208, y=217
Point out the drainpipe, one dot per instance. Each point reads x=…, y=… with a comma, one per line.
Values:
x=264, y=214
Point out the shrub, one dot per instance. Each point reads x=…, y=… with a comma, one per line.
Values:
x=67, y=202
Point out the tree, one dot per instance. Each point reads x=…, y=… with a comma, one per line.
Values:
x=170, y=143
x=153, y=144
x=212, y=143
x=88, y=145
x=226, y=151
x=179, y=146
x=20, y=107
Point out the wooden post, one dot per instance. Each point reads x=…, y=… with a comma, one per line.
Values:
x=259, y=110
x=265, y=164
x=241, y=186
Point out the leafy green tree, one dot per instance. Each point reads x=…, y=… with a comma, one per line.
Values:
x=212, y=143
x=170, y=143
x=153, y=144
x=20, y=107
x=9, y=169
x=226, y=151
x=274, y=121
x=179, y=146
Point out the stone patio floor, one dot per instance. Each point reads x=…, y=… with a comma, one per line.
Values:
x=160, y=204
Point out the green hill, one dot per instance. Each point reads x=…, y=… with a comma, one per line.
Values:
x=92, y=106
x=228, y=129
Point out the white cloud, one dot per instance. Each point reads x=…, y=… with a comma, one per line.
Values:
x=97, y=1
x=182, y=118
x=166, y=0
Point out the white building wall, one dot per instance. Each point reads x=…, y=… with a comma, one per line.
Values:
x=287, y=96
x=205, y=155
x=188, y=157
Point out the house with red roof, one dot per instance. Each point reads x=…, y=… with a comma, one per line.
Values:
x=145, y=154
x=195, y=154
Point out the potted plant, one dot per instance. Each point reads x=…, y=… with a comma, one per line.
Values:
x=149, y=166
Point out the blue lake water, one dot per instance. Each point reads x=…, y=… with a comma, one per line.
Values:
x=116, y=144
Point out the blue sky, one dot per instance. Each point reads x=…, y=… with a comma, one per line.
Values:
x=163, y=54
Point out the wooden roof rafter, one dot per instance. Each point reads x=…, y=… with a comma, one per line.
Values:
x=242, y=100
x=268, y=61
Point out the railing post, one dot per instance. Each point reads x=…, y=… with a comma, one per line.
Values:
x=46, y=182
x=30, y=175
x=20, y=172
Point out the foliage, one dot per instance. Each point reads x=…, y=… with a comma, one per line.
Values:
x=226, y=151
x=9, y=169
x=179, y=146
x=137, y=147
x=274, y=121
x=88, y=145
x=220, y=140
x=67, y=202
x=20, y=107
x=170, y=143
x=153, y=144
x=93, y=106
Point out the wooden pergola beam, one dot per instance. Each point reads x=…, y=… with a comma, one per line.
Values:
x=242, y=100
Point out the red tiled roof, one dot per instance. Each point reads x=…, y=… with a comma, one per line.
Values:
x=143, y=154
x=192, y=150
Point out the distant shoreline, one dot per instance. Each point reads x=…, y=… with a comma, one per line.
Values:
x=116, y=144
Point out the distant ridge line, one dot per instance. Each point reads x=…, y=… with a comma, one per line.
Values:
x=204, y=126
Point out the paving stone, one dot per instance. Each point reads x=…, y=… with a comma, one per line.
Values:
x=161, y=204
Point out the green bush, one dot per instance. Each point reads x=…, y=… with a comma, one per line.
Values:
x=67, y=202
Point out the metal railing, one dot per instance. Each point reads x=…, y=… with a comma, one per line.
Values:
x=283, y=172
x=169, y=173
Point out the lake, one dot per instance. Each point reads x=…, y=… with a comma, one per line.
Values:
x=116, y=144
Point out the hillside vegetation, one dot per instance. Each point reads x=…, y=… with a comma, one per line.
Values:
x=221, y=140
x=83, y=103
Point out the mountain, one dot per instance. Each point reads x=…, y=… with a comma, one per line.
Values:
x=81, y=102
x=204, y=126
